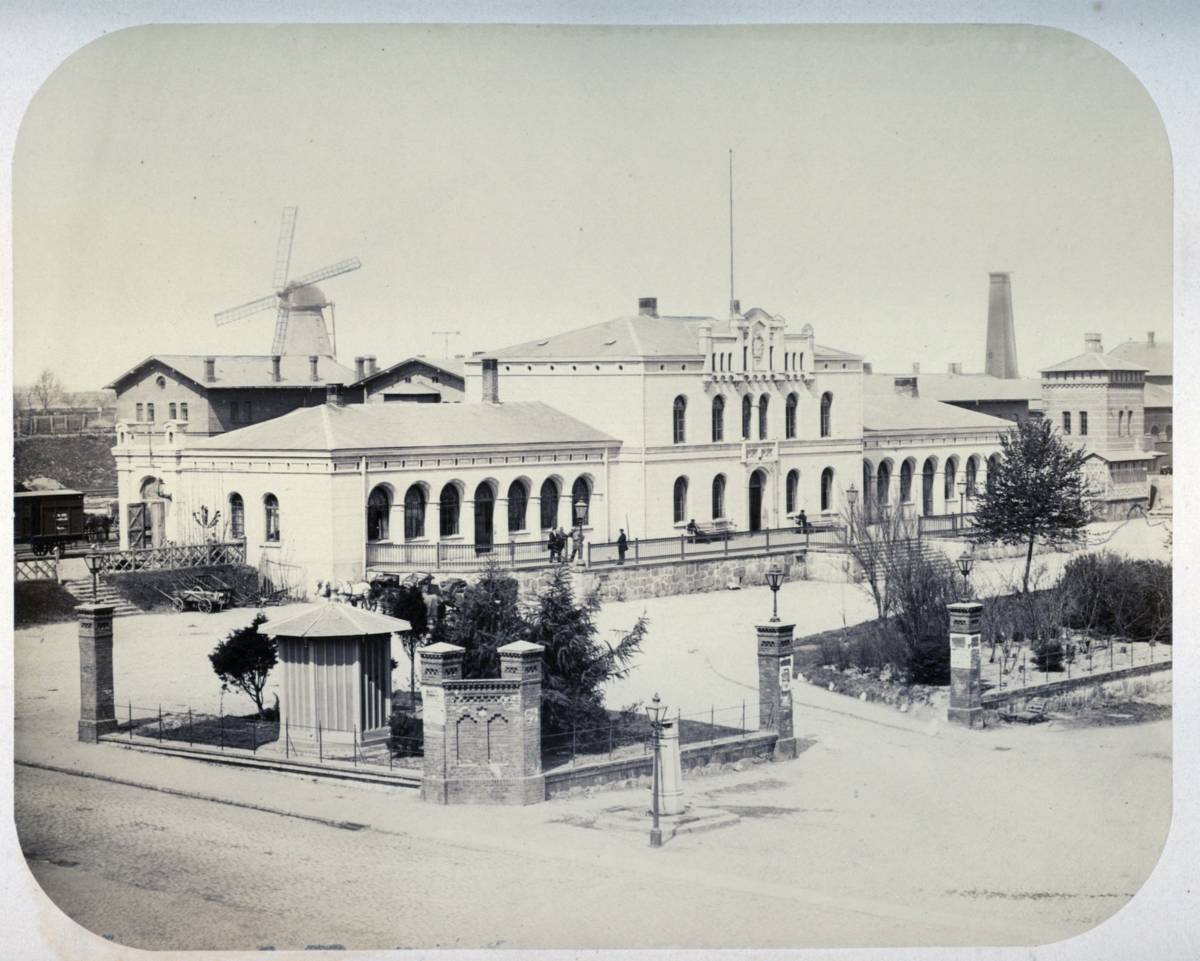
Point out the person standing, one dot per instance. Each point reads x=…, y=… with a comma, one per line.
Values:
x=561, y=537
x=577, y=543
x=622, y=547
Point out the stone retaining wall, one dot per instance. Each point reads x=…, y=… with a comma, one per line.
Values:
x=1086, y=685
x=634, y=581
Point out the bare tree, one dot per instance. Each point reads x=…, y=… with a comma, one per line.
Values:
x=46, y=389
x=881, y=540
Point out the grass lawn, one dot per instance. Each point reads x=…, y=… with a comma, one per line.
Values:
x=41, y=602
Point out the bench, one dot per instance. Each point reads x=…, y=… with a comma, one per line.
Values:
x=707, y=533
x=1034, y=713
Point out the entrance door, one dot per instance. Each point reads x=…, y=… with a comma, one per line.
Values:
x=139, y=525
x=927, y=475
x=757, y=482
x=485, y=504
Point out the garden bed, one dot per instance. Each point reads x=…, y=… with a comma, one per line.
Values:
x=41, y=602
x=149, y=590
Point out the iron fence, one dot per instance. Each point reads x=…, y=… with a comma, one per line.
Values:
x=1016, y=665
x=945, y=524
x=228, y=732
x=775, y=540
x=172, y=556
x=455, y=557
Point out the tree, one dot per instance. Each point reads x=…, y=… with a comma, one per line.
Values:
x=486, y=617
x=407, y=602
x=46, y=389
x=576, y=662
x=880, y=539
x=244, y=659
x=1037, y=490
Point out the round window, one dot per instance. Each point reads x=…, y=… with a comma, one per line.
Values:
x=161, y=381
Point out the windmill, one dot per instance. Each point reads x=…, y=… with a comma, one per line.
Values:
x=299, y=304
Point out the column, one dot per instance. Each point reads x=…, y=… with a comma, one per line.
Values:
x=522, y=661
x=965, y=707
x=440, y=663
x=97, y=710
x=775, y=685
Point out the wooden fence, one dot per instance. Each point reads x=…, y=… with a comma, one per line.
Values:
x=172, y=556
x=36, y=569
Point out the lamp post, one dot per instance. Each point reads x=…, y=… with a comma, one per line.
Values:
x=965, y=561
x=94, y=562
x=962, y=496
x=580, y=512
x=852, y=500
x=774, y=581
x=656, y=711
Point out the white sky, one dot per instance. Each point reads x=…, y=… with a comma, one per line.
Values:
x=514, y=182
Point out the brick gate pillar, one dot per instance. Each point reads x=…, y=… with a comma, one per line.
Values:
x=439, y=663
x=965, y=706
x=775, y=685
x=522, y=661
x=97, y=708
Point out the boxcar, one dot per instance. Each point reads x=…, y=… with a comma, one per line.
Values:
x=48, y=519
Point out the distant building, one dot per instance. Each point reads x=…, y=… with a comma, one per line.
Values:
x=1097, y=401
x=418, y=380
x=1013, y=399
x=1158, y=358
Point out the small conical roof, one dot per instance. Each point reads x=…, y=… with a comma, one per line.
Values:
x=335, y=620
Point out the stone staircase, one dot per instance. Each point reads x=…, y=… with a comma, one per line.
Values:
x=81, y=589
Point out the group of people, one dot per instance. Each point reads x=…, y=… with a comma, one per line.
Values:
x=557, y=544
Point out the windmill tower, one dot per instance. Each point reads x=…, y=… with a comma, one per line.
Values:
x=299, y=304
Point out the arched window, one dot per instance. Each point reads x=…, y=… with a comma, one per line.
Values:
x=826, y=414
x=379, y=511
x=789, y=417
x=747, y=416
x=271, y=512
x=549, y=498
x=827, y=489
x=718, y=497
x=951, y=476
x=906, y=477
x=792, y=491
x=883, y=484
x=237, y=517
x=972, y=474
x=718, y=419
x=1154, y=432
x=581, y=499
x=449, y=502
x=518, y=503
x=762, y=416
x=680, y=500
x=414, y=513
x=928, y=473
x=679, y=419
x=993, y=466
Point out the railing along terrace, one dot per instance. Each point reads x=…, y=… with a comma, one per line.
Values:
x=172, y=556
x=35, y=569
x=456, y=557
x=945, y=523
x=717, y=544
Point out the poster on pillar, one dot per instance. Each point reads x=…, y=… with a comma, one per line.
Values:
x=785, y=674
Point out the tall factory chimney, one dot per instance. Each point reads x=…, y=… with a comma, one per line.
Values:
x=1001, y=358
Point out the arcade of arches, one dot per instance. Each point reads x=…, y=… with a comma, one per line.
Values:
x=932, y=486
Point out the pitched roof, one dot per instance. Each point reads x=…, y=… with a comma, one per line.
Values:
x=960, y=387
x=633, y=336
x=1158, y=357
x=335, y=620
x=900, y=412
x=328, y=428
x=1093, y=360
x=451, y=365
x=1159, y=395
x=247, y=370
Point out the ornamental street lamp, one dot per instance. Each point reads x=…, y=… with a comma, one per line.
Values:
x=94, y=562
x=852, y=500
x=965, y=561
x=656, y=711
x=774, y=581
x=962, y=496
x=580, y=512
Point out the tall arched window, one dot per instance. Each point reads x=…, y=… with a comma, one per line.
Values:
x=549, y=502
x=906, y=477
x=792, y=491
x=414, y=513
x=450, y=502
x=789, y=417
x=518, y=504
x=379, y=511
x=883, y=484
x=679, y=419
x=237, y=517
x=972, y=474
x=581, y=494
x=993, y=466
x=680, y=500
x=747, y=416
x=718, y=419
x=271, y=512
x=951, y=476
x=826, y=414
x=762, y=416
x=827, y=489
x=1129, y=421
x=718, y=497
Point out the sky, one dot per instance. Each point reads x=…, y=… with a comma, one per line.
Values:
x=514, y=182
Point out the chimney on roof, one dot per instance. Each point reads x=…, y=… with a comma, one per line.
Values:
x=210, y=370
x=906, y=386
x=735, y=308
x=312, y=367
x=359, y=367
x=955, y=368
x=276, y=374
x=648, y=306
x=371, y=366
x=1149, y=338
x=1001, y=359
x=333, y=395
x=1091, y=343
x=868, y=368
x=491, y=381
x=916, y=367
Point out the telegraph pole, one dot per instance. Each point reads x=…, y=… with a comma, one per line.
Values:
x=447, y=334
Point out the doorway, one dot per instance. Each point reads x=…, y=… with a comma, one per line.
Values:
x=485, y=507
x=758, y=481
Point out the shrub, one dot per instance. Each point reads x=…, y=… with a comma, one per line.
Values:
x=1107, y=594
x=41, y=602
x=244, y=659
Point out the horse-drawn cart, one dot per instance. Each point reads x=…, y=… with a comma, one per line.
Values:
x=203, y=600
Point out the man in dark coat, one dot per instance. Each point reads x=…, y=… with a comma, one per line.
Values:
x=622, y=547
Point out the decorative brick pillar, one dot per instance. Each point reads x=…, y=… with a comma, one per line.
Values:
x=97, y=708
x=965, y=707
x=775, y=685
x=482, y=737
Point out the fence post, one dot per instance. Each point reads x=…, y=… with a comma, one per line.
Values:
x=131, y=720
x=355, y=727
x=682, y=541
x=189, y=727
x=743, y=718
x=221, y=714
x=254, y=736
x=636, y=555
x=287, y=740
x=712, y=723
x=160, y=724
x=610, y=740
x=767, y=530
x=320, y=745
